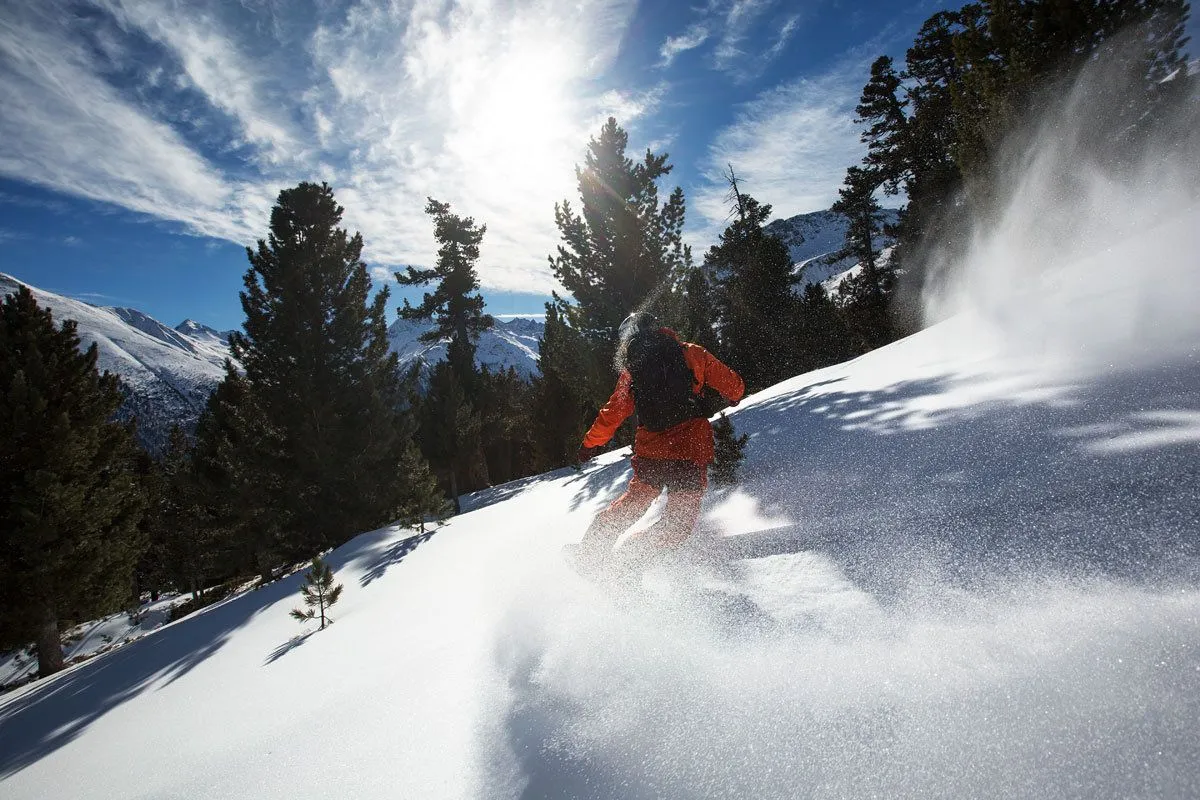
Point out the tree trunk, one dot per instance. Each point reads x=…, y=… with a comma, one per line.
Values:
x=454, y=489
x=49, y=646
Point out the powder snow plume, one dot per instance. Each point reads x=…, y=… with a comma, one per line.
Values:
x=1091, y=262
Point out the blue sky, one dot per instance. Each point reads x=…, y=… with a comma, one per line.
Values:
x=143, y=142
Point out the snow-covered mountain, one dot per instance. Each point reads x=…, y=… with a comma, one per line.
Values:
x=811, y=237
x=201, y=332
x=506, y=344
x=168, y=374
x=952, y=568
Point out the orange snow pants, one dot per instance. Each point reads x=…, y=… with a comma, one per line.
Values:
x=685, y=482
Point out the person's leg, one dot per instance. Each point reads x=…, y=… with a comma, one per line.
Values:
x=610, y=523
x=685, y=493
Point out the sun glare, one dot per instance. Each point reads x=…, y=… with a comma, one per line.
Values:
x=520, y=129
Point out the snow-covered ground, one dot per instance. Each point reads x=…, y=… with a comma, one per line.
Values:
x=954, y=568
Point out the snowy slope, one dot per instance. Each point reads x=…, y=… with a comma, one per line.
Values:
x=954, y=568
x=169, y=374
x=811, y=237
x=506, y=344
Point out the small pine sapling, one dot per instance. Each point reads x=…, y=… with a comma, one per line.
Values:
x=319, y=593
x=730, y=452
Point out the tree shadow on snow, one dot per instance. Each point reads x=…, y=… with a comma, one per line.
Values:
x=389, y=556
x=1094, y=480
x=287, y=647
x=51, y=712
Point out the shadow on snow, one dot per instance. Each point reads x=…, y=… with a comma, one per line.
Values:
x=53, y=711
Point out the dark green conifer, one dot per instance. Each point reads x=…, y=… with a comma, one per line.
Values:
x=624, y=250
x=311, y=437
x=71, y=499
x=824, y=337
x=454, y=305
x=754, y=296
x=699, y=316
x=881, y=109
x=425, y=502
x=451, y=427
x=562, y=404
x=319, y=593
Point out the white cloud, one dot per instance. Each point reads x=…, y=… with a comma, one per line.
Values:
x=739, y=18
x=488, y=111
x=696, y=35
x=785, y=35
x=732, y=25
x=790, y=147
x=66, y=128
x=486, y=105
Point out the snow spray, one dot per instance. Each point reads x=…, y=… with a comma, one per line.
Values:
x=1090, y=261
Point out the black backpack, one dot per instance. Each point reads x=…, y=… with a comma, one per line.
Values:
x=662, y=381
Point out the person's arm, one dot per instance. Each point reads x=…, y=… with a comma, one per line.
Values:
x=615, y=411
x=716, y=374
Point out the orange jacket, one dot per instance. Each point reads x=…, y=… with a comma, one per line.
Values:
x=691, y=440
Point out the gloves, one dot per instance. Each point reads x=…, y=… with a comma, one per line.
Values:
x=586, y=453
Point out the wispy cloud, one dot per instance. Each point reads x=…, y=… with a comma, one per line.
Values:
x=790, y=146
x=740, y=16
x=690, y=39
x=65, y=127
x=57, y=206
x=485, y=108
x=790, y=26
x=731, y=26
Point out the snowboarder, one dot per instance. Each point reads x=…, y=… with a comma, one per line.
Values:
x=662, y=379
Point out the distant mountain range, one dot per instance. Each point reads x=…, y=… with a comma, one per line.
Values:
x=168, y=373
x=811, y=238
x=506, y=344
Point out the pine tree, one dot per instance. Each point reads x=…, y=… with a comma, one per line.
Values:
x=236, y=495
x=454, y=305
x=562, y=405
x=881, y=109
x=699, y=317
x=72, y=503
x=457, y=310
x=754, y=296
x=450, y=429
x=319, y=592
x=823, y=335
x=425, y=501
x=504, y=403
x=624, y=251
x=730, y=452
x=319, y=427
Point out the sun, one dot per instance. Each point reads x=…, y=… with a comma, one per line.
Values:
x=521, y=127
